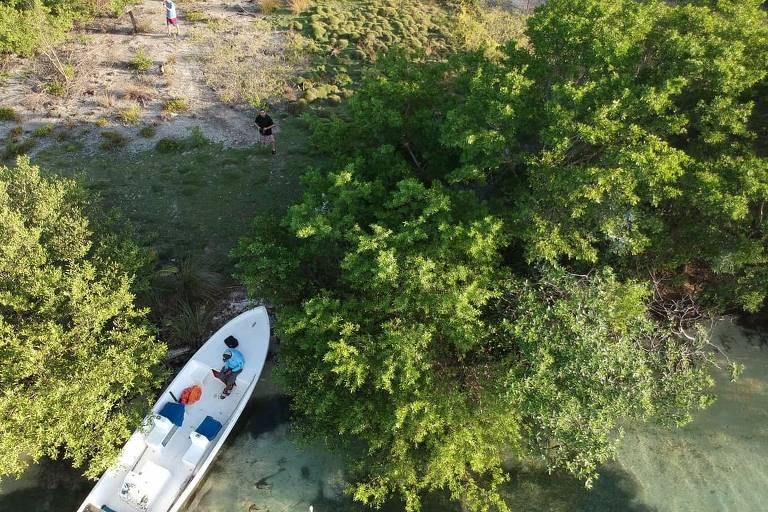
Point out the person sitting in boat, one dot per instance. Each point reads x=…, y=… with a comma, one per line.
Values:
x=233, y=365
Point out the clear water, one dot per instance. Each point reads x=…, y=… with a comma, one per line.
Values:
x=718, y=463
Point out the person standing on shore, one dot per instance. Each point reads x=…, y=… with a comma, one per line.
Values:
x=170, y=16
x=265, y=124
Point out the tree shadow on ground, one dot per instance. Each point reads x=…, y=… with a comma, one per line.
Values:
x=533, y=489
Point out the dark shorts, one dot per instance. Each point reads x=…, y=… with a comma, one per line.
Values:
x=267, y=139
x=228, y=378
x=170, y=21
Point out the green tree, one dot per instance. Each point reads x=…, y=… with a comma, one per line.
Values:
x=646, y=122
x=78, y=360
x=26, y=25
x=432, y=320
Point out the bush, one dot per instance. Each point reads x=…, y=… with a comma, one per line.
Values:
x=175, y=105
x=15, y=132
x=196, y=139
x=139, y=93
x=102, y=122
x=56, y=87
x=112, y=140
x=169, y=145
x=131, y=114
x=268, y=6
x=298, y=6
x=148, y=132
x=67, y=306
x=190, y=326
x=196, y=16
x=13, y=149
x=43, y=131
x=9, y=114
x=141, y=61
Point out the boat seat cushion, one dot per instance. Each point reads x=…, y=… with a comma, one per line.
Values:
x=209, y=428
x=174, y=411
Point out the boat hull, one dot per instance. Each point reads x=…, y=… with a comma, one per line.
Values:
x=163, y=469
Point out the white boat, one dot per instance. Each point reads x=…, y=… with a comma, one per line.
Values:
x=164, y=460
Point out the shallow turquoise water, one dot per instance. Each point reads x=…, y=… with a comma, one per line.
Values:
x=718, y=463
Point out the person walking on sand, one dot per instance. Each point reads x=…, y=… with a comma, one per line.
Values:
x=170, y=16
x=265, y=124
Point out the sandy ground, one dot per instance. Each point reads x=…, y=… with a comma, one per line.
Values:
x=101, y=53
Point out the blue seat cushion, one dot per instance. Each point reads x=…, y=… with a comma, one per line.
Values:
x=209, y=428
x=174, y=411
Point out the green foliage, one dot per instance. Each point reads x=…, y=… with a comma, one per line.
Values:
x=182, y=299
x=9, y=114
x=432, y=320
x=147, y=131
x=14, y=149
x=582, y=357
x=194, y=16
x=131, y=115
x=175, y=105
x=191, y=325
x=195, y=140
x=56, y=87
x=27, y=26
x=112, y=140
x=71, y=337
x=43, y=131
x=657, y=158
x=347, y=32
x=243, y=66
x=169, y=144
x=141, y=62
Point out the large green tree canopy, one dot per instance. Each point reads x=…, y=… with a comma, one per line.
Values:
x=503, y=256
x=77, y=359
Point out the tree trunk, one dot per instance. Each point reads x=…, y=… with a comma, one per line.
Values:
x=133, y=22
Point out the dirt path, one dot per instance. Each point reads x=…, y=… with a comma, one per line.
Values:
x=105, y=84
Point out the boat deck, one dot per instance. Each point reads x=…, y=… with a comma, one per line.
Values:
x=162, y=462
x=169, y=457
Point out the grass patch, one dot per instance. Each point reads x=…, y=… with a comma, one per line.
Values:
x=9, y=114
x=195, y=140
x=175, y=105
x=268, y=6
x=299, y=6
x=15, y=132
x=148, y=131
x=102, y=122
x=131, y=115
x=194, y=16
x=56, y=87
x=243, y=66
x=43, y=131
x=112, y=140
x=14, y=149
x=186, y=205
x=346, y=36
x=139, y=93
x=169, y=145
x=141, y=62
